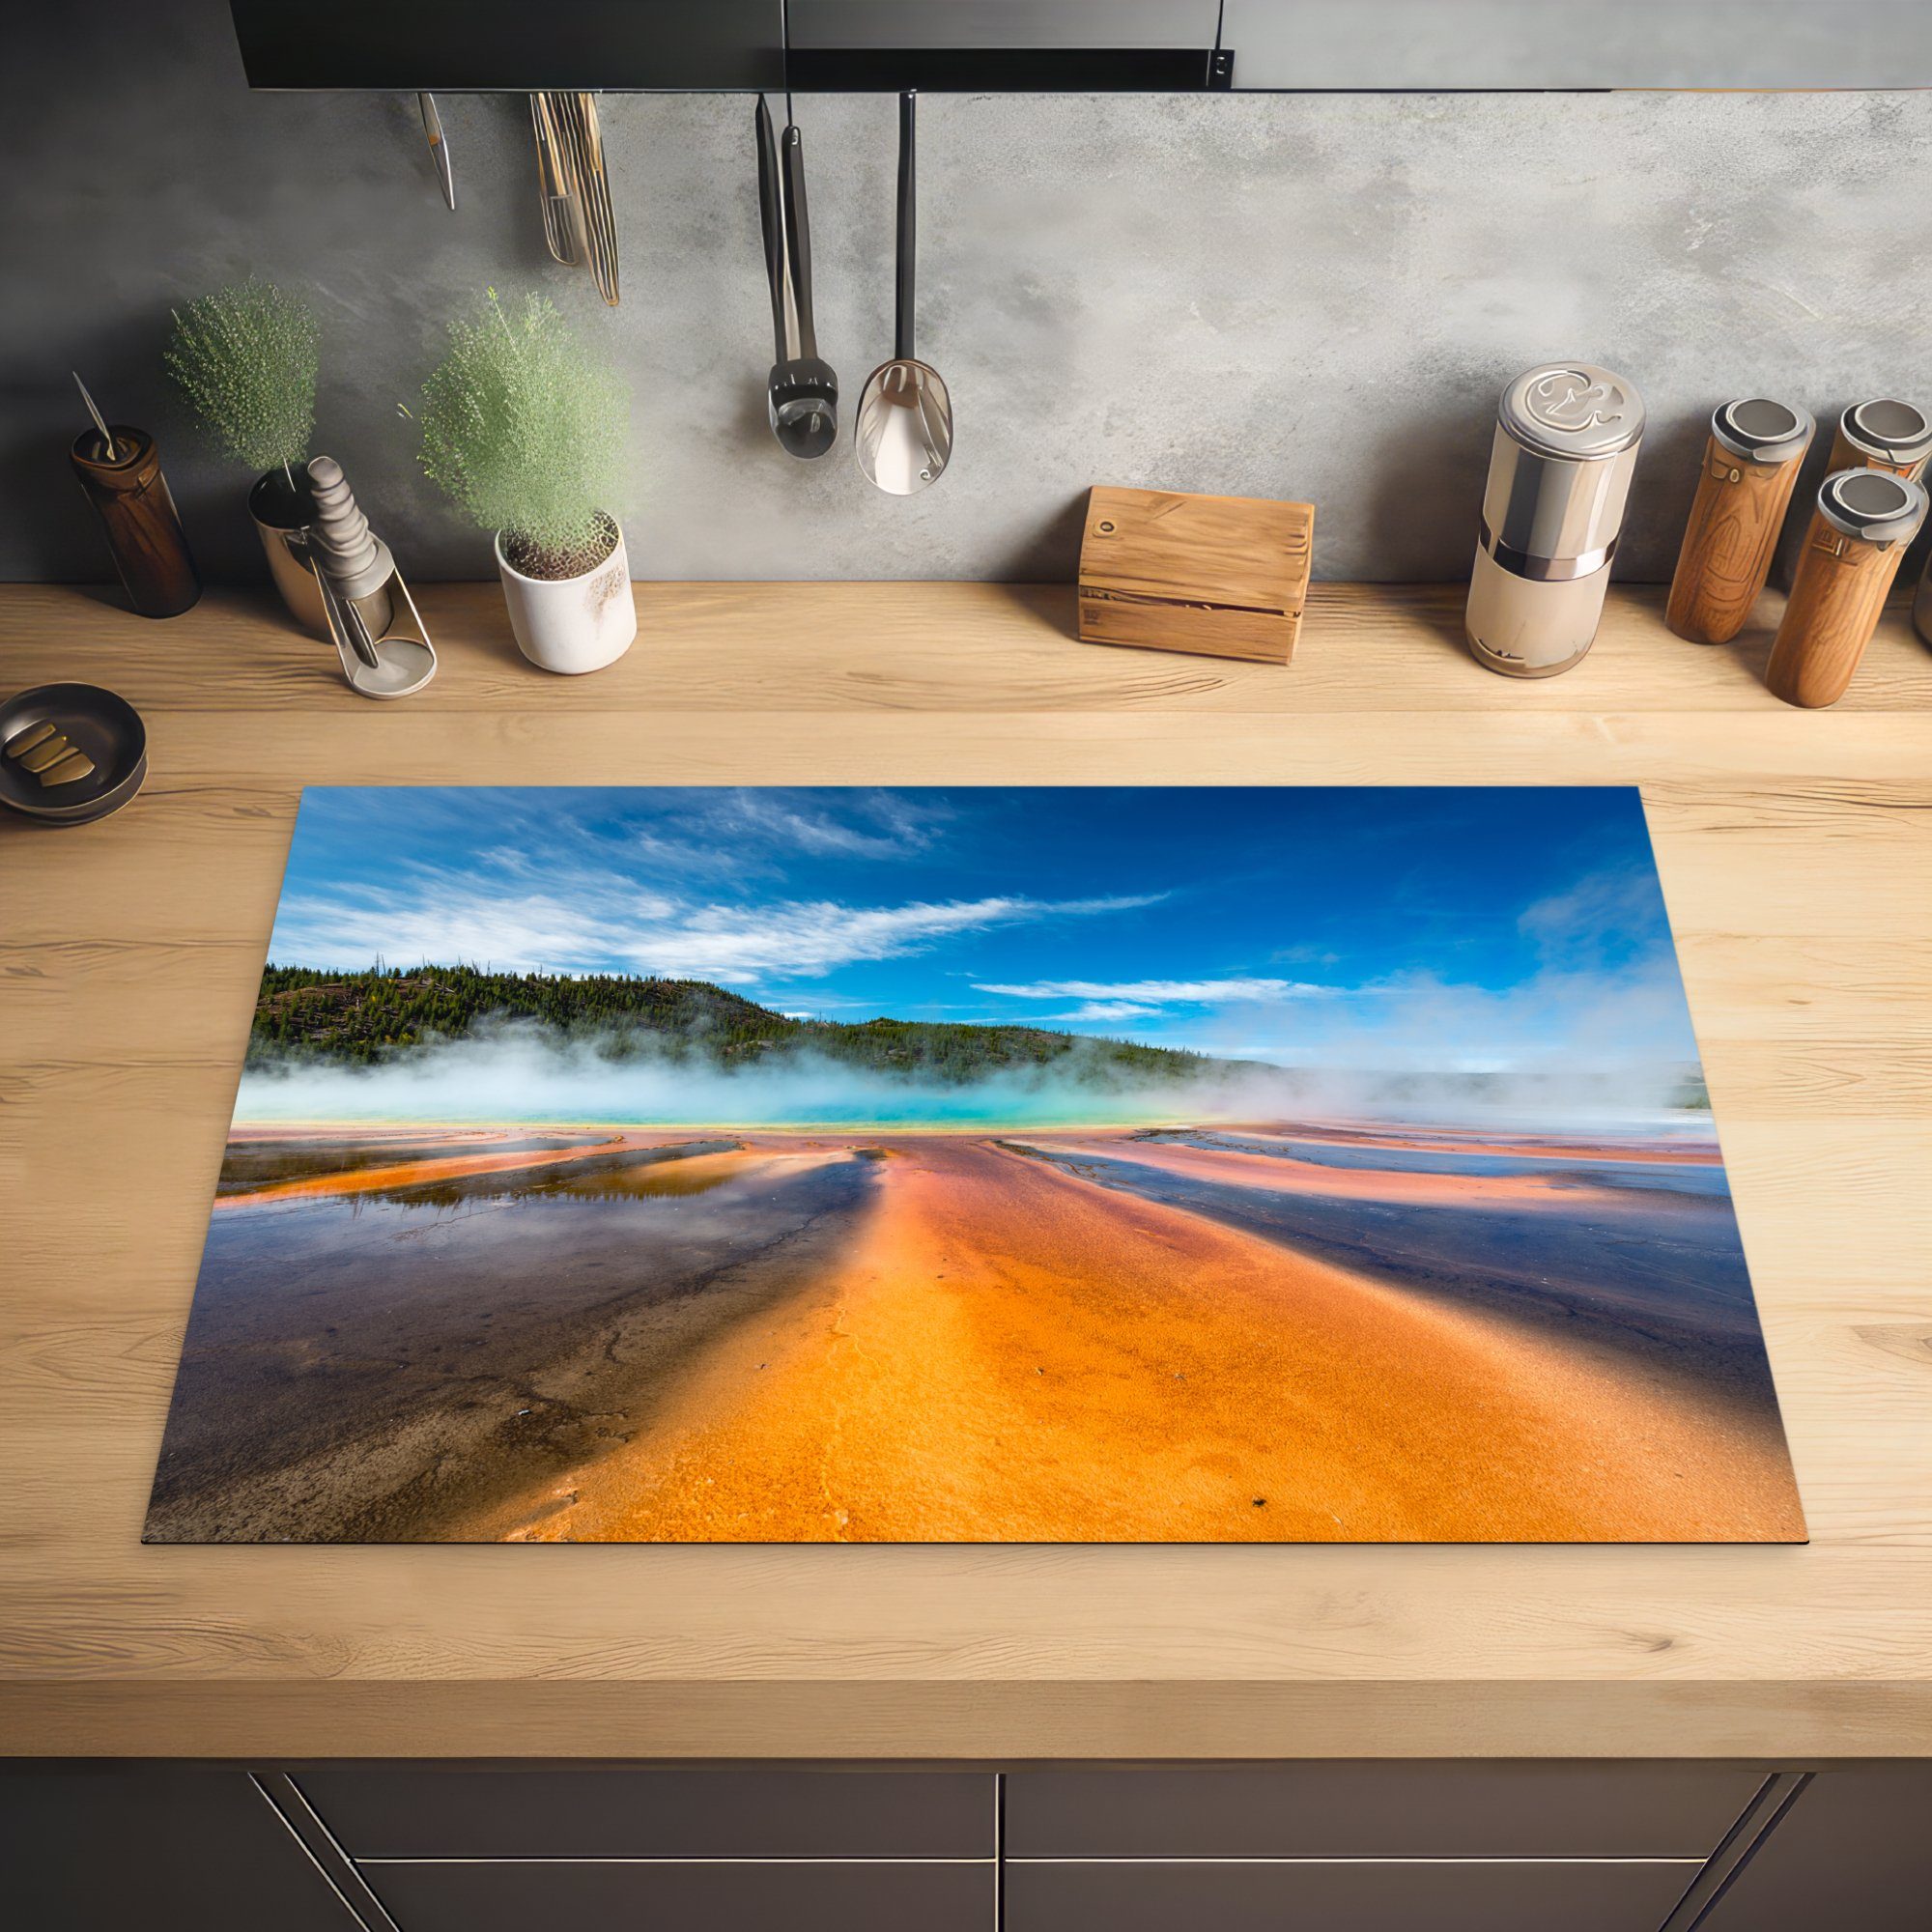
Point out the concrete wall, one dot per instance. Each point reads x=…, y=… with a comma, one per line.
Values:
x=1269, y=295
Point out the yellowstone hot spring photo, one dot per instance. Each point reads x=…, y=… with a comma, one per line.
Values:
x=1066, y=1165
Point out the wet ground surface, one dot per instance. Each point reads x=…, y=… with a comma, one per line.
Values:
x=1646, y=1257
x=358, y=1366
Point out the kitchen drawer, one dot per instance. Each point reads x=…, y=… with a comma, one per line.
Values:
x=1377, y=1810
x=159, y=1847
x=1521, y=1895
x=1853, y=1850
x=660, y=1896
x=462, y=1812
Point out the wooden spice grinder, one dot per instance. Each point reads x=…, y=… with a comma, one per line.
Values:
x=1860, y=531
x=122, y=479
x=1750, y=469
x=1882, y=434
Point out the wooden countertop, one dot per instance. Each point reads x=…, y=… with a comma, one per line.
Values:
x=1796, y=851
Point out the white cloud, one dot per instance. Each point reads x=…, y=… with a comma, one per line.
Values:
x=741, y=943
x=1604, y=917
x=1106, y=1010
x=600, y=922
x=1146, y=993
x=880, y=825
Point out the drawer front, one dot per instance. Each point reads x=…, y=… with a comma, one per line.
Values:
x=666, y=1897
x=1377, y=1810
x=409, y=1811
x=161, y=1847
x=1854, y=1851
x=1520, y=1896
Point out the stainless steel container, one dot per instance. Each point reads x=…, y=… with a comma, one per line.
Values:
x=284, y=513
x=1567, y=439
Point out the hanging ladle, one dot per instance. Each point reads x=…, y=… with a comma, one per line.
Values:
x=903, y=434
x=801, y=394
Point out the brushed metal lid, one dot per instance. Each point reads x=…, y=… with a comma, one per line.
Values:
x=1572, y=411
x=1872, y=504
x=1762, y=431
x=1893, y=431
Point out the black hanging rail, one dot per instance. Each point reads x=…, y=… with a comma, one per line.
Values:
x=614, y=46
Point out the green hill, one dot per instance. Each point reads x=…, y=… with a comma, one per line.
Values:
x=364, y=1018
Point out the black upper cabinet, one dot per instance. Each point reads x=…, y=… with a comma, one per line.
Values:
x=1083, y=45
x=1004, y=46
x=513, y=45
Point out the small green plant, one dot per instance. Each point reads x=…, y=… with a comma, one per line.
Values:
x=246, y=358
x=524, y=429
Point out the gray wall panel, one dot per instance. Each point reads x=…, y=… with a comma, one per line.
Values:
x=1267, y=295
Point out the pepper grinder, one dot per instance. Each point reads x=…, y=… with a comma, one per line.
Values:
x=119, y=470
x=1860, y=531
x=1750, y=467
x=1882, y=434
x=384, y=651
x=1566, y=442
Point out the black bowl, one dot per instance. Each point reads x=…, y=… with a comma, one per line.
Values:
x=106, y=727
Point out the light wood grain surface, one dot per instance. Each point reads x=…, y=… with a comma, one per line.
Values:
x=1796, y=851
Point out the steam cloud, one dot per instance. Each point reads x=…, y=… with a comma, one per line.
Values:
x=521, y=1072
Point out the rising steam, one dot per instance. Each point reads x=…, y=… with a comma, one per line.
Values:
x=521, y=1072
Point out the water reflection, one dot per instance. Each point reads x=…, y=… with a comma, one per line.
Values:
x=1686, y=1177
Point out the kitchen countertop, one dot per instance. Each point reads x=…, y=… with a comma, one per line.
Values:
x=1795, y=852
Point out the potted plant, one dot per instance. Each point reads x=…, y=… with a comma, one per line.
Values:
x=524, y=428
x=244, y=357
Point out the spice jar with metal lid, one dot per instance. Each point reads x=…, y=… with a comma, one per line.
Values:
x=1864, y=521
x=1566, y=442
x=1884, y=435
x=1750, y=466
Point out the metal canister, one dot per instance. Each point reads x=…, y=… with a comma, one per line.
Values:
x=284, y=514
x=1566, y=442
x=1882, y=434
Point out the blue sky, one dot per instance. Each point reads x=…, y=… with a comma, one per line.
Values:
x=1469, y=930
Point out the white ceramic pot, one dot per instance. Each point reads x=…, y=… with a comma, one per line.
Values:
x=572, y=624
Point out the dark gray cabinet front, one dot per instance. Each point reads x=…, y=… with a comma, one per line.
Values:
x=665, y=1896
x=1510, y=1895
x=439, y=1811
x=1854, y=1851
x=153, y=1848
x=1377, y=1810
x=1294, y=1846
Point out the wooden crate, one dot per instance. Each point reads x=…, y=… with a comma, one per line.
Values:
x=1224, y=576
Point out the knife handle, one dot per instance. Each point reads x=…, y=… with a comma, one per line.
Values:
x=798, y=243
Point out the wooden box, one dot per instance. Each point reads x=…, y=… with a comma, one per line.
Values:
x=1224, y=576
